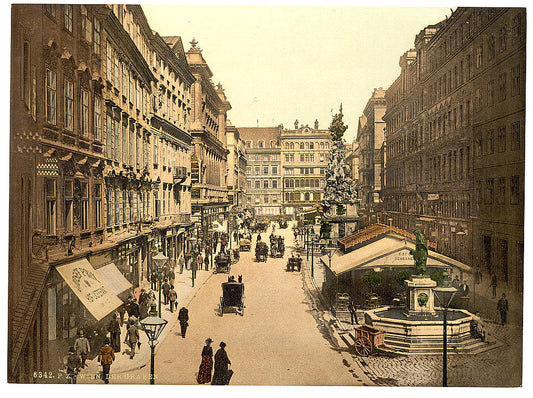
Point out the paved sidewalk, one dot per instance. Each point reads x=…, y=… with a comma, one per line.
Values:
x=123, y=363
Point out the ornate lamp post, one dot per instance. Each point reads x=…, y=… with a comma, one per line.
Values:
x=444, y=295
x=312, y=240
x=330, y=251
x=160, y=261
x=192, y=241
x=153, y=326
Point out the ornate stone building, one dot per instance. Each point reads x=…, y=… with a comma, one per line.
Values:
x=237, y=164
x=100, y=170
x=454, y=139
x=370, y=137
x=263, y=172
x=208, y=128
x=305, y=153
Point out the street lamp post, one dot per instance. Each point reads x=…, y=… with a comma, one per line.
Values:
x=312, y=240
x=160, y=261
x=192, y=241
x=153, y=326
x=330, y=251
x=445, y=294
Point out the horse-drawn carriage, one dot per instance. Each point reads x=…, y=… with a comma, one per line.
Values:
x=277, y=249
x=259, y=226
x=223, y=263
x=245, y=243
x=232, y=297
x=261, y=251
x=294, y=264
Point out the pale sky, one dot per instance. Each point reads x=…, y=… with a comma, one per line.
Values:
x=278, y=64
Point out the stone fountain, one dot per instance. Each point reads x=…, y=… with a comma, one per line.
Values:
x=417, y=328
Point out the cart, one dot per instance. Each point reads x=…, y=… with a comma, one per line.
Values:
x=367, y=340
x=261, y=251
x=245, y=243
x=223, y=263
x=294, y=264
x=232, y=298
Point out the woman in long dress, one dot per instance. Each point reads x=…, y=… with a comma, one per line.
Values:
x=220, y=375
x=204, y=374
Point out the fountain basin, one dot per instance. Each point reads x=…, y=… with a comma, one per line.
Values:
x=407, y=335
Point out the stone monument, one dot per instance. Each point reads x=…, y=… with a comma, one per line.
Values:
x=420, y=298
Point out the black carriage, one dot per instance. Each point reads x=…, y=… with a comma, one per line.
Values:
x=223, y=263
x=232, y=298
x=261, y=251
x=294, y=264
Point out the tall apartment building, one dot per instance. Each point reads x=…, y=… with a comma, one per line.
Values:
x=208, y=128
x=305, y=153
x=263, y=171
x=370, y=137
x=454, y=139
x=100, y=175
x=237, y=164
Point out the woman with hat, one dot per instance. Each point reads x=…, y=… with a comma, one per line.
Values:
x=220, y=376
x=204, y=374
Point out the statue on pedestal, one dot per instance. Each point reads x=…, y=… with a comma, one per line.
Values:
x=420, y=254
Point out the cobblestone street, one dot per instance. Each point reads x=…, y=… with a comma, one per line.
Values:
x=487, y=369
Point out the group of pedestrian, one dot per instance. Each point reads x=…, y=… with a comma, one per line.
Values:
x=222, y=373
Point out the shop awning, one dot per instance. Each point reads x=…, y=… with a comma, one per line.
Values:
x=89, y=287
x=113, y=278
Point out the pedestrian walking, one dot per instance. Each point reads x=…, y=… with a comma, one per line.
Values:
x=137, y=294
x=183, y=317
x=353, y=312
x=153, y=280
x=206, y=366
x=133, y=309
x=106, y=356
x=132, y=338
x=114, y=333
x=82, y=347
x=171, y=276
x=181, y=263
x=121, y=311
x=503, y=307
x=74, y=366
x=222, y=373
x=493, y=284
x=165, y=288
x=173, y=299
x=200, y=262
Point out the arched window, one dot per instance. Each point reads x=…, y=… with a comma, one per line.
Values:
x=286, y=145
x=327, y=145
x=248, y=144
x=306, y=196
x=297, y=185
x=312, y=145
x=321, y=145
x=272, y=144
x=260, y=144
x=306, y=145
x=302, y=145
x=291, y=145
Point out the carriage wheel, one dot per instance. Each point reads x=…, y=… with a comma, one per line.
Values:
x=363, y=346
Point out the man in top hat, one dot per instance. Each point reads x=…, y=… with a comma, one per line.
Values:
x=82, y=347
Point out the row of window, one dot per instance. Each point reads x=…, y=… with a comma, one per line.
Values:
x=258, y=170
x=446, y=205
x=493, y=96
x=306, y=145
x=304, y=183
x=258, y=184
x=303, y=196
x=261, y=157
x=261, y=144
x=496, y=140
x=498, y=191
x=81, y=202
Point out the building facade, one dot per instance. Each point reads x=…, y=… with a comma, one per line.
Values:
x=100, y=167
x=208, y=128
x=370, y=137
x=263, y=171
x=237, y=163
x=305, y=153
x=454, y=139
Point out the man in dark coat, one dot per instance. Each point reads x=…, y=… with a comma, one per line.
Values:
x=173, y=299
x=503, y=307
x=73, y=366
x=132, y=338
x=133, y=309
x=114, y=331
x=165, y=288
x=220, y=376
x=183, y=317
